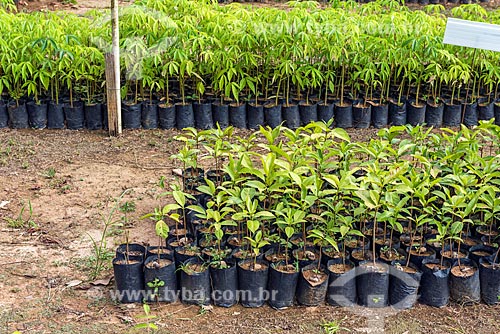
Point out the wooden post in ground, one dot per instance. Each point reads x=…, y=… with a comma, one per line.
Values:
x=113, y=76
x=114, y=113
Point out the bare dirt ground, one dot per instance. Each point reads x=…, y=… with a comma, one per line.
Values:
x=73, y=6
x=72, y=179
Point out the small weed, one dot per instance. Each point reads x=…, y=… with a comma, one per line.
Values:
x=331, y=327
x=49, y=173
x=12, y=150
x=100, y=254
x=158, y=134
x=128, y=206
x=162, y=182
x=98, y=302
x=6, y=148
x=61, y=184
x=86, y=264
x=65, y=189
x=116, y=230
x=20, y=221
x=185, y=268
x=204, y=309
x=59, y=263
x=6, y=151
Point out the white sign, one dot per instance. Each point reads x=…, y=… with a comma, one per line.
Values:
x=472, y=34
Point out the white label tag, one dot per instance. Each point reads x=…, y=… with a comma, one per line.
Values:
x=472, y=34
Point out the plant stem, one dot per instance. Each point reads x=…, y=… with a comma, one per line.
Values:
x=342, y=86
x=343, y=255
x=126, y=246
x=159, y=249
x=496, y=256
x=319, y=259
x=442, y=252
x=374, y=233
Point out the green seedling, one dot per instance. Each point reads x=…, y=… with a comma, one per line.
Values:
x=49, y=173
x=148, y=318
x=20, y=221
x=100, y=253
x=156, y=285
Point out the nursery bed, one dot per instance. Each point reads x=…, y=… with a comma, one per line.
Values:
x=39, y=266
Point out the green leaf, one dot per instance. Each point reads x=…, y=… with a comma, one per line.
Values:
x=456, y=228
x=256, y=184
x=239, y=216
x=264, y=214
x=200, y=87
x=366, y=198
x=258, y=236
x=251, y=85
x=253, y=225
x=162, y=229
x=175, y=216
x=357, y=233
x=375, y=196
x=341, y=134
x=149, y=325
x=344, y=230
x=179, y=197
x=262, y=243
x=198, y=209
x=219, y=234
x=296, y=178
x=170, y=208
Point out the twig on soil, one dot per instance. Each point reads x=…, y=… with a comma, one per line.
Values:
x=49, y=240
x=149, y=167
x=23, y=275
x=18, y=243
x=14, y=262
x=182, y=309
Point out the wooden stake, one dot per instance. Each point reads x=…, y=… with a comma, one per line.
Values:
x=113, y=76
x=113, y=114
